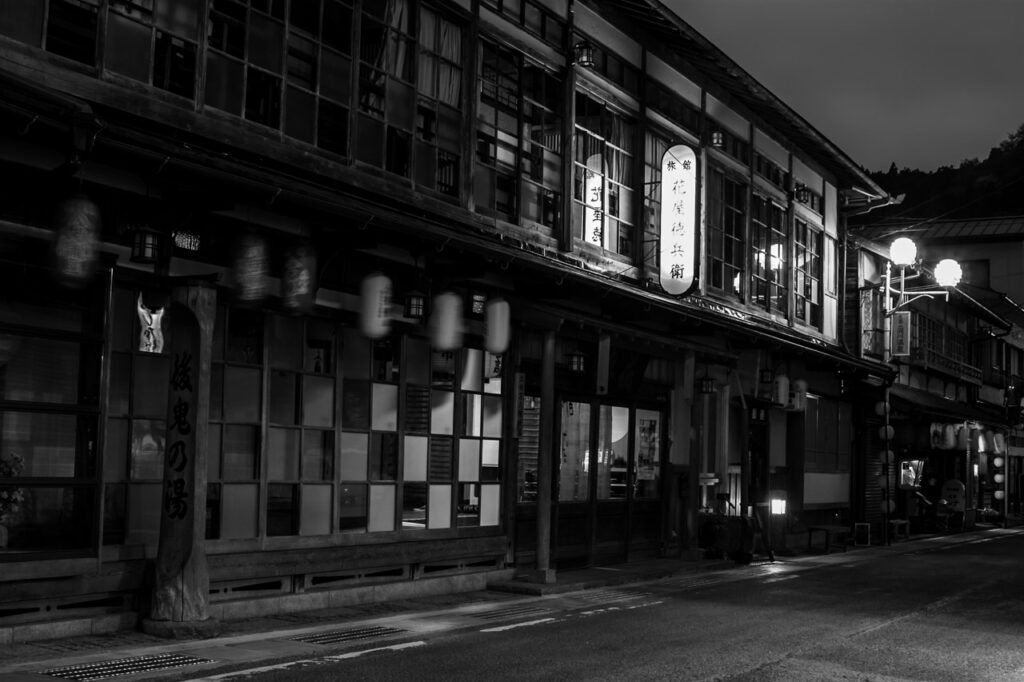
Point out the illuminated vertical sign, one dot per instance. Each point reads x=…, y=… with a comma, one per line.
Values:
x=901, y=333
x=593, y=189
x=678, y=220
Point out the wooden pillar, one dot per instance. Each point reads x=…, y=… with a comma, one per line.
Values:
x=181, y=579
x=545, y=464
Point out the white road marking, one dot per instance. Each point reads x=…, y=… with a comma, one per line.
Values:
x=320, y=660
x=502, y=628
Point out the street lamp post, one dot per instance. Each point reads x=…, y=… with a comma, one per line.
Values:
x=903, y=253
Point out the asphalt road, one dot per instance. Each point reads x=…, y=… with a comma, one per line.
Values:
x=948, y=609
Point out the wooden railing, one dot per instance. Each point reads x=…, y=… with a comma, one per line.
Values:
x=932, y=359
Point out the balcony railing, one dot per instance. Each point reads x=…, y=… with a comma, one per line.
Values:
x=933, y=359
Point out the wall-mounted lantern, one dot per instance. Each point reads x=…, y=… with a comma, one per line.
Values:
x=415, y=305
x=707, y=385
x=583, y=54
x=717, y=139
x=577, y=361
x=146, y=244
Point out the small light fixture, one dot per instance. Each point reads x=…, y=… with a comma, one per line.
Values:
x=477, y=304
x=717, y=139
x=577, y=361
x=778, y=506
x=767, y=376
x=707, y=385
x=415, y=305
x=948, y=273
x=803, y=193
x=583, y=54
x=903, y=251
x=145, y=245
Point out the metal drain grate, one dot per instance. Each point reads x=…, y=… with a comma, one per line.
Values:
x=512, y=612
x=350, y=635
x=123, y=666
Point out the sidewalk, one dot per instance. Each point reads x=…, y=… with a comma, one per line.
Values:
x=250, y=641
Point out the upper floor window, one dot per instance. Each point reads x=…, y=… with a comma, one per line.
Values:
x=519, y=139
x=769, y=170
x=439, y=106
x=655, y=147
x=769, y=267
x=154, y=41
x=729, y=143
x=675, y=108
x=603, y=183
x=613, y=68
x=726, y=218
x=287, y=70
x=807, y=287
x=532, y=15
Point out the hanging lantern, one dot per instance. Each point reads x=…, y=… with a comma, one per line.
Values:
x=250, y=268
x=145, y=245
x=882, y=408
x=999, y=443
x=446, y=321
x=998, y=461
x=949, y=437
x=298, y=281
x=960, y=440
x=998, y=478
x=780, y=392
x=999, y=494
x=77, y=223
x=886, y=432
x=886, y=456
x=375, y=314
x=497, y=313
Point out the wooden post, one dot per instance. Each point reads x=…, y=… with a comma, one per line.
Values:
x=182, y=580
x=545, y=477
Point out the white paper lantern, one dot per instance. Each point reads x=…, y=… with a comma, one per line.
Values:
x=999, y=494
x=497, y=316
x=886, y=432
x=375, y=311
x=886, y=456
x=250, y=267
x=998, y=461
x=446, y=321
x=77, y=223
x=998, y=478
x=999, y=443
x=298, y=281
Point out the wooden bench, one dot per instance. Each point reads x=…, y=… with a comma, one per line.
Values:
x=895, y=525
x=840, y=533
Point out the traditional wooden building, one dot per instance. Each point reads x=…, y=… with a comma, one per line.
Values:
x=322, y=301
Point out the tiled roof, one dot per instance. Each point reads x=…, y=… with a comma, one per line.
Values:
x=1010, y=227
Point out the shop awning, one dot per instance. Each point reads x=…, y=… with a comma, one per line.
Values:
x=936, y=408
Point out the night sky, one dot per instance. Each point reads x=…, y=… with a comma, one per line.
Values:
x=922, y=83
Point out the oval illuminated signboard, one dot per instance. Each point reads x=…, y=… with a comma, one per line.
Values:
x=678, y=220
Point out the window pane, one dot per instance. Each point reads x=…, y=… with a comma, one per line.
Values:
x=492, y=416
x=442, y=406
x=472, y=406
x=283, y=455
x=355, y=363
x=418, y=361
x=245, y=337
x=490, y=460
x=317, y=401
x=355, y=405
x=318, y=456
x=315, y=517
x=574, y=471
x=286, y=342
x=239, y=511
x=439, y=466
x=417, y=409
x=385, y=407
x=266, y=43
x=415, y=454
x=382, y=508
x=281, y=509
x=143, y=516
x=414, y=506
x=353, y=456
x=319, y=354
x=241, y=394
x=469, y=504
x=240, y=451
x=648, y=453
x=472, y=369
x=612, y=454
x=469, y=459
x=147, y=455
x=52, y=518
x=384, y=457
x=440, y=513
x=149, y=386
x=128, y=47
x=213, y=453
x=115, y=450
x=352, y=518
x=490, y=505
x=283, y=405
